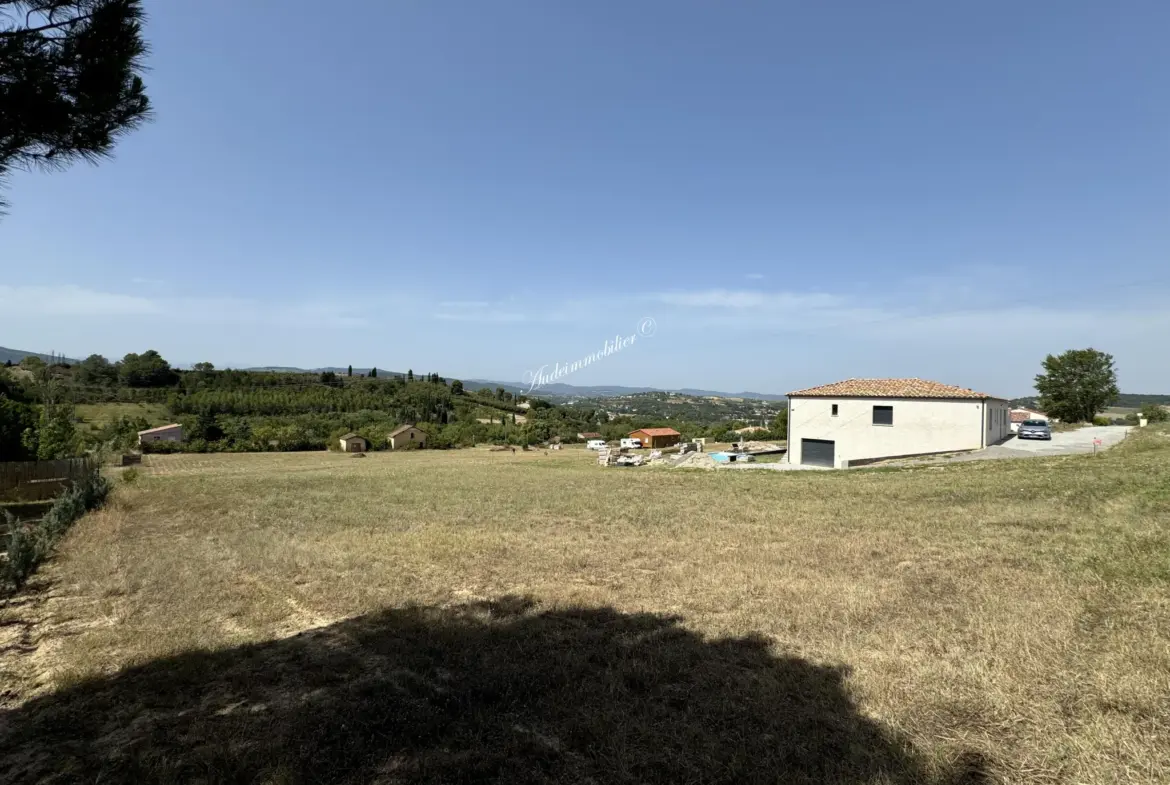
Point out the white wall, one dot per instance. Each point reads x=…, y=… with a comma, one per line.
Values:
x=999, y=421
x=921, y=425
x=170, y=435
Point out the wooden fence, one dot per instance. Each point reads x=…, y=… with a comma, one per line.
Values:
x=35, y=480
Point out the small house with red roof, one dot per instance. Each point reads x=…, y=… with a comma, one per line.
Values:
x=657, y=438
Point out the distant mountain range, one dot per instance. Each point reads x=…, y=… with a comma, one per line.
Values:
x=559, y=390
x=612, y=390
x=556, y=390
x=14, y=356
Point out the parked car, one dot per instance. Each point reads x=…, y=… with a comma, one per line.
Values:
x=632, y=444
x=595, y=444
x=1034, y=429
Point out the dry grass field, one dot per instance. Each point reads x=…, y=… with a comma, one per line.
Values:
x=473, y=616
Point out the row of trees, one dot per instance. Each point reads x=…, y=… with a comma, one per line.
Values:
x=148, y=369
x=248, y=410
x=410, y=402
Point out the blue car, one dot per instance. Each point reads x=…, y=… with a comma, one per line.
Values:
x=1035, y=429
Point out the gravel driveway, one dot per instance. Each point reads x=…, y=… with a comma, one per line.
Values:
x=1067, y=443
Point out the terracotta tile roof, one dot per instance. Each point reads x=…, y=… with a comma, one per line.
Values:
x=1019, y=415
x=657, y=432
x=589, y=435
x=889, y=388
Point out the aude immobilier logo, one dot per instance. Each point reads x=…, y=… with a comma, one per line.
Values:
x=544, y=375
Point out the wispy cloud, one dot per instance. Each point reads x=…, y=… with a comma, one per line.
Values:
x=464, y=304
x=748, y=299
x=950, y=315
x=23, y=302
x=481, y=315
x=754, y=276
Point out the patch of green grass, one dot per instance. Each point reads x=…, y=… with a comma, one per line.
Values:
x=93, y=416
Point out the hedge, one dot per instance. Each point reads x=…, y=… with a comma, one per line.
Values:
x=29, y=544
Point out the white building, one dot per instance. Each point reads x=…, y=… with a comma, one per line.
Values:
x=163, y=433
x=859, y=420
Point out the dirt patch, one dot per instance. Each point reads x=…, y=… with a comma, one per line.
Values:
x=695, y=460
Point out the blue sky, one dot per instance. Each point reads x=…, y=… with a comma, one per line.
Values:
x=795, y=192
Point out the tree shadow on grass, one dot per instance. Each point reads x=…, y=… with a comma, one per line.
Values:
x=489, y=692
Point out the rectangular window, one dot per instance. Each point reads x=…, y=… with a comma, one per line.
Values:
x=834, y=410
x=883, y=415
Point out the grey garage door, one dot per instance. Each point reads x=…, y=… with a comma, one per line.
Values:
x=816, y=452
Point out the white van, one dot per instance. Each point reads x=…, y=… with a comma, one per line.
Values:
x=595, y=444
x=632, y=444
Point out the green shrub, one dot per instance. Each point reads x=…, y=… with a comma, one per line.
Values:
x=1102, y=420
x=29, y=544
x=23, y=554
x=1154, y=413
x=130, y=476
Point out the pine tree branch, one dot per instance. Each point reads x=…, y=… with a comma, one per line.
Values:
x=52, y=26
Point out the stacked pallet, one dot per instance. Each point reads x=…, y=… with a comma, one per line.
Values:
x=607, y=457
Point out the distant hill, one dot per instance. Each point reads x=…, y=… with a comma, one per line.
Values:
x=1124, y=400
x=614, y=391
x=14, y=356
x=556, y=390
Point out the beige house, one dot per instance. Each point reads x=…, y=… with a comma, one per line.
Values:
x=163, y=433
x=407, y=436
x=351, y=442
x=859, y=420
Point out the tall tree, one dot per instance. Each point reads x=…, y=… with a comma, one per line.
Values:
x=148, y=369
x=409, y=375
x=16, y=418
x=70, y=80
x=1077, y=385
x=456, y=387
x=373, y=373
x=96, y=369
x=349, y=372
x=780, y=424
x=55, y=436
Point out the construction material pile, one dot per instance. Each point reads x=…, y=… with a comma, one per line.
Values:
x=695, y=460
x=759, y=448
x=611, y=456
